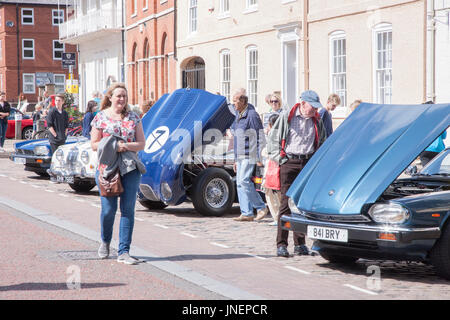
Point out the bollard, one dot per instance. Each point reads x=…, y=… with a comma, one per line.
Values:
x=18, y=126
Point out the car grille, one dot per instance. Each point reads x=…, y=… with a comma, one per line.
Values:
x=347, y=218
x=365, y=245
x=24, y=151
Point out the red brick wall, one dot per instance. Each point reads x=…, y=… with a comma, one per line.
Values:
x=43, y=33
x=159, y=33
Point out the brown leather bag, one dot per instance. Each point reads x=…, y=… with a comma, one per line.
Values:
x=112, y=186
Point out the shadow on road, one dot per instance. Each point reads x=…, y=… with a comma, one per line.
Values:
x=186, y=257
x=40, y=286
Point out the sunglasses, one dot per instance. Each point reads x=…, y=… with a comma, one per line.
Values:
x=274, y=101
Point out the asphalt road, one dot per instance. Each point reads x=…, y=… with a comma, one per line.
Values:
x=53, y=236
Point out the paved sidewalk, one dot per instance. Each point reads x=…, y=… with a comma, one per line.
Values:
x=9, y=147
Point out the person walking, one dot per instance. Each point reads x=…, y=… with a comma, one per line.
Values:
x=294, y=138
x=248, y=143
x=57, y=123
x=88, y=117
x=5, y=109
x=116, y=119
x=325, y=113
x=37, y=115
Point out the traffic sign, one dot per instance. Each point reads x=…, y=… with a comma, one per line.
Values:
x=68, y=59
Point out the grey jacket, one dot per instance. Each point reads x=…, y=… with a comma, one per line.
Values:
x=126, y=161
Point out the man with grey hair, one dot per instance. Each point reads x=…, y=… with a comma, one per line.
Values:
x=293, y=140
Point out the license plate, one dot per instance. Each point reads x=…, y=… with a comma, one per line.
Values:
x=330, y=234
x=20, y=160
x=62, y=179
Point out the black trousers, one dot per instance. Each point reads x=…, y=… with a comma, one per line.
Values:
x=55, y=145
x=288, y=172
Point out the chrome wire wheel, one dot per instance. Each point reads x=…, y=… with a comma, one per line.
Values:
x=216, y=193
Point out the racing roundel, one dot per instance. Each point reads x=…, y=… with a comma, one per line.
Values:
x=156, y=139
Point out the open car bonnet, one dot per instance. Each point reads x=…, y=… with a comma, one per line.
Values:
x=365, y=154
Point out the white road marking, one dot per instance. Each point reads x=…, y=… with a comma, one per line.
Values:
x=79, y=200
x=188, y=235
x=35, y=186
x=138, y=219
x=161, y=226
x=23, y=182
x=297, y=269
x=219, y=245
x=63, y=195
x=359, y=289
x=13, y=179
x=2, y=175
x=48, y=190
x=96, y=205
x=255, y=256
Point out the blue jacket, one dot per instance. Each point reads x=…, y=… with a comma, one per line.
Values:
x=248, y=134
x=327, y=121
x=88, y=117
x=438, y=144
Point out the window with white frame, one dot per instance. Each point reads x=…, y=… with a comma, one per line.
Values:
x=382, y=46
x=134, y=4
x=27, y=16
x=145, y=5
x=28, y=83
x=28, y=48
x=2, y=88
x=252, y=75
x=225, y=74
x=60, y=83
x=192, y=16
x=57, y=17
x=252, y=3
x=224, y=7
x=58, y=49
x=1, y=50
x=338, y=65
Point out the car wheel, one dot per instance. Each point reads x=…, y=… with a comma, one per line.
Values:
x=440, y=254
x=335, y=258
x=213, y=192
x=27, y=133
x=82, y=186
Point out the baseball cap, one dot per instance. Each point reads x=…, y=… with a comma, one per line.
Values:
x=312, y=98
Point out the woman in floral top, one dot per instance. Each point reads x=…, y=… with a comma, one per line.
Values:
x=116, y=118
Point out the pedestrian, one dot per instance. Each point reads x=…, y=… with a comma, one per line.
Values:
x=37, y=115
x=355, y=104
x=276, y=106
x=5, y=109
x=22, y=103
x=248, y=141
x=97, y=97
x=144, y=107
x=115, y=118
x=325, y=113
x=272, y=179
x=433, y=149
x=57, y=123
x=88, y=117
x=294, y=138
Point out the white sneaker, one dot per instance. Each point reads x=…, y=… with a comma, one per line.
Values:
x=127, y=259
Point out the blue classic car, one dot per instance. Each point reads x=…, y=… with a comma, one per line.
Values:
x=353, y=200
x=178, y=130
x=36, y=155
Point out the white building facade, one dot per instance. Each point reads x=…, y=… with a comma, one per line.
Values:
x=96, y=26
x=223, y=45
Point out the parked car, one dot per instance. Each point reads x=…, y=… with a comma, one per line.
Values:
x=350, y=199
x=178, y=124
x=35, y=155
x=75, y=164
x=26, y=125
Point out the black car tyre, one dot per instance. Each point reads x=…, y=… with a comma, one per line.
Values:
x=440, y=254
x=152, y=205
x=82, y=186
x=27, y=133
x=213, y=192
x=335, y=258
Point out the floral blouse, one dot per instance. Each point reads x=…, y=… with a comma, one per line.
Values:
x=125, y=128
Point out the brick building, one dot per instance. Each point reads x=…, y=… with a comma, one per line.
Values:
x=30, y=53
x=150, y=41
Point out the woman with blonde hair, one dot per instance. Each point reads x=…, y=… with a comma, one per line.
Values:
x=116, y=119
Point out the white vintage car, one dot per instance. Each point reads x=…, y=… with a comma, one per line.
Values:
x=75, y=164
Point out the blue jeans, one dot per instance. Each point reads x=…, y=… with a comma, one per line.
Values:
x=249, y=198
x=130, y=183
x=3, y=128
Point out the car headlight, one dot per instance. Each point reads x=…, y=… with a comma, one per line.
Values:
x=166, y=191
x=41, y=150
x=391, y=213
x=59, y=154
x=293, y=206
x=85, y=157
